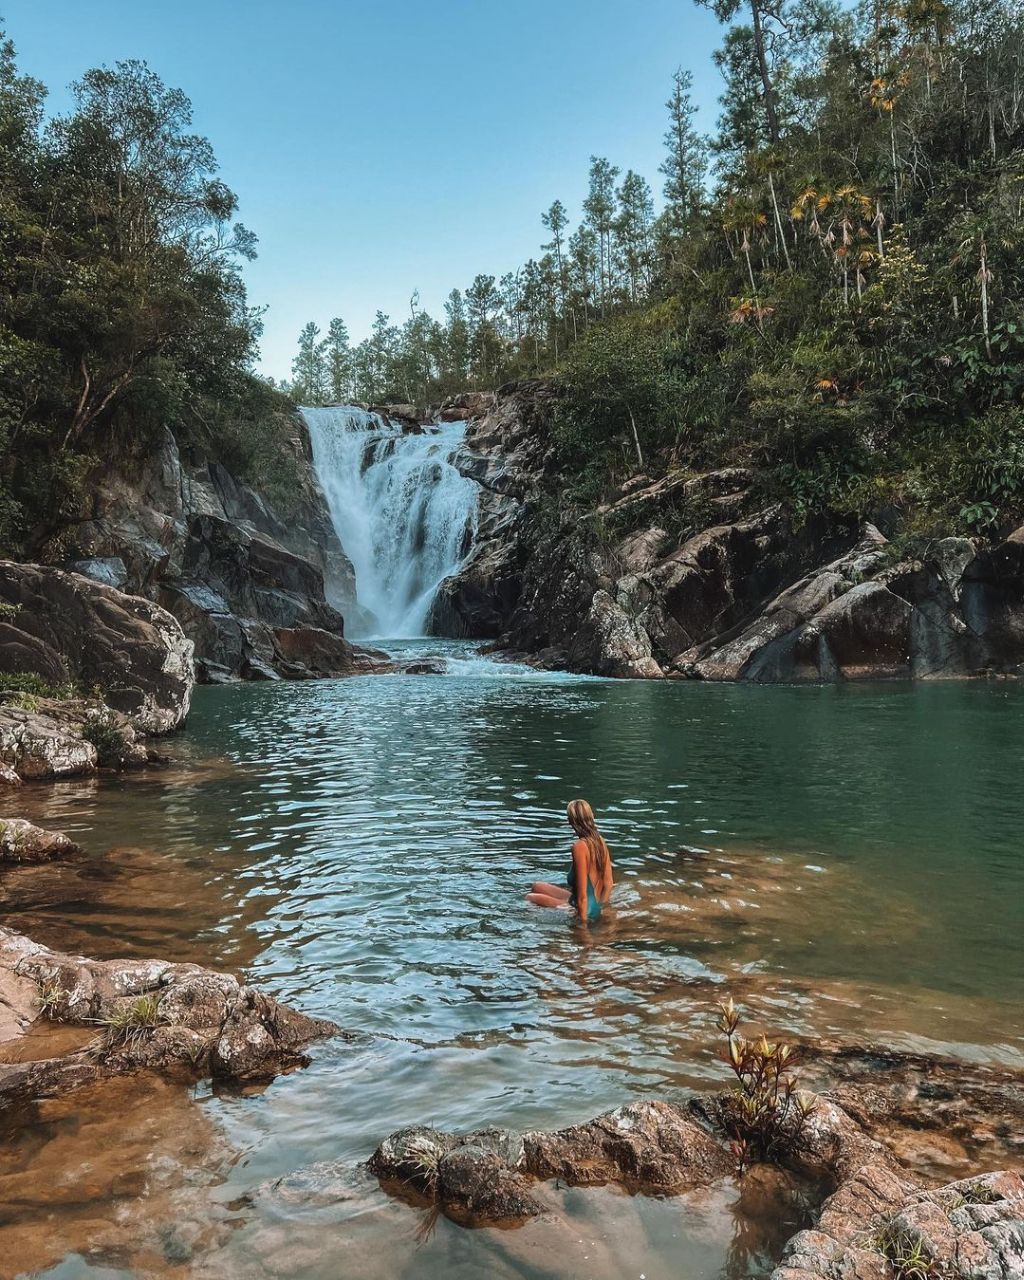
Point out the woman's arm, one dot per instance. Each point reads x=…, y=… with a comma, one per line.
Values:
x=579, y=862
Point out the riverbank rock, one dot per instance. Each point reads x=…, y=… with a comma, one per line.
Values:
x=150, y=1015
x=877, y=1226
x=21, y=841
x=43, y=743
x=69, y=629
x=651, y=1146
x=485, y=1176
x=696, y=576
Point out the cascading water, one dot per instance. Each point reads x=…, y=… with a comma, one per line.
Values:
x=402, y=512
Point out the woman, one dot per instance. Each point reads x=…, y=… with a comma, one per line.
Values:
x=589, y=882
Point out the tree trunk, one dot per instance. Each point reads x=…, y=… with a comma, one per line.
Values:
x=636, y=437
x=766, y=83
x=778, y=220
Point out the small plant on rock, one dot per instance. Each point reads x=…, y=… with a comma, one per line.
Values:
x=52, y=1000
x=130, y=1025
x=765, y=1114
x=110, y=742
x=425, y=1157
x=906, y=1254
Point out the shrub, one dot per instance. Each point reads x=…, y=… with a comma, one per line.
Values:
x=130, y=1025
x=34, y=686
x=111, y=743
x=765, y=1114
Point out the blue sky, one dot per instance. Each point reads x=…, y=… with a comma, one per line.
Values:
x=377, y=147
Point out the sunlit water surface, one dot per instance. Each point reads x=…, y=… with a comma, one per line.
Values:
x=846, y=861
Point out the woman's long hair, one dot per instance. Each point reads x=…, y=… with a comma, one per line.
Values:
x=581, y=819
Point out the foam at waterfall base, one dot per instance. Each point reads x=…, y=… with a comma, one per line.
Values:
x=463, y=660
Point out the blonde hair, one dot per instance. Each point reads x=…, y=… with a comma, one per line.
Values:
x=599, y=858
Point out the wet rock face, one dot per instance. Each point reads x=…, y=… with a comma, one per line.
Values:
x=735, y=592
x=152, y=1015
x=255, y=590
x=68, y=628
x=20, y=841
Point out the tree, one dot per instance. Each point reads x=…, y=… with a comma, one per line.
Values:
x=339, y=361
x=309, y=368
x=685, y=163
x=633, y=222
x=599, y=208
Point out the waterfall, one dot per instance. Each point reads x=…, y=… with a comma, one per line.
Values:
x=404, y=515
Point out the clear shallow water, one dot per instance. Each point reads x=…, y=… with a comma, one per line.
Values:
x=845, y=861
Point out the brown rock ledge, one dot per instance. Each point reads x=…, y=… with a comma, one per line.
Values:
x=179, y=1019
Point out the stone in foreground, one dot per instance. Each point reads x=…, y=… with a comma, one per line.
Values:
x=20, y=841
x=150, y=1015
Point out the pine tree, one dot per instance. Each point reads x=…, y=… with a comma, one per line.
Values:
x=339, y=361
x=685, y=166
x=309, y=368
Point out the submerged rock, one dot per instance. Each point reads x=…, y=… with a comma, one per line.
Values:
x=151, y=1015
x=20, y=841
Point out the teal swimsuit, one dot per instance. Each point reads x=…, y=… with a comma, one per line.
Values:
x=593, y=905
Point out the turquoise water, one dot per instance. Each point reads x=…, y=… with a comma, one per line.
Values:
x=846, y=861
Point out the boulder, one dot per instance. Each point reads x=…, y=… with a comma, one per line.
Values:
x=645, y=1145
x=474, y=1178
x=43, y=743
x=877, y=1220
x=67, y=628
x=21, y=841
x=153, y=1015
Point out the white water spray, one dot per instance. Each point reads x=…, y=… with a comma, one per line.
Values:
x=404, y=515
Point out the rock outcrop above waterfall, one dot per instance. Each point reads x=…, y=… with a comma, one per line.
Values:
x=147, y=1015
x=696, y=576
x=259, y=591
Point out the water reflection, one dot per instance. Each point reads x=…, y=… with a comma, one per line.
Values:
x=843, y=861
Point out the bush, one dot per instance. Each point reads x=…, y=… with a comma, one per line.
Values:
x=111, y=743
x=32, y=685
x=765, y=1114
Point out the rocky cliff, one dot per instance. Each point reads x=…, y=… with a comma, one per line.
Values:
x=696, y=576
x=258, y=590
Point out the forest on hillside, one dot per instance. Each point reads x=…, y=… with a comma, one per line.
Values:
x=122, y=307
x=827, y=289
x=831, y=292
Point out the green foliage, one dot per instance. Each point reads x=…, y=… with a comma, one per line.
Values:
x=906, y=1254
x=765, y=1113
x=111, y=743
x=32, y=685
x=618, y=397
x=52, y=998
x=129, y=1025
x=120, y=293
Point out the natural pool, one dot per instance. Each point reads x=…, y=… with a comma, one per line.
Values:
x=846, y=861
